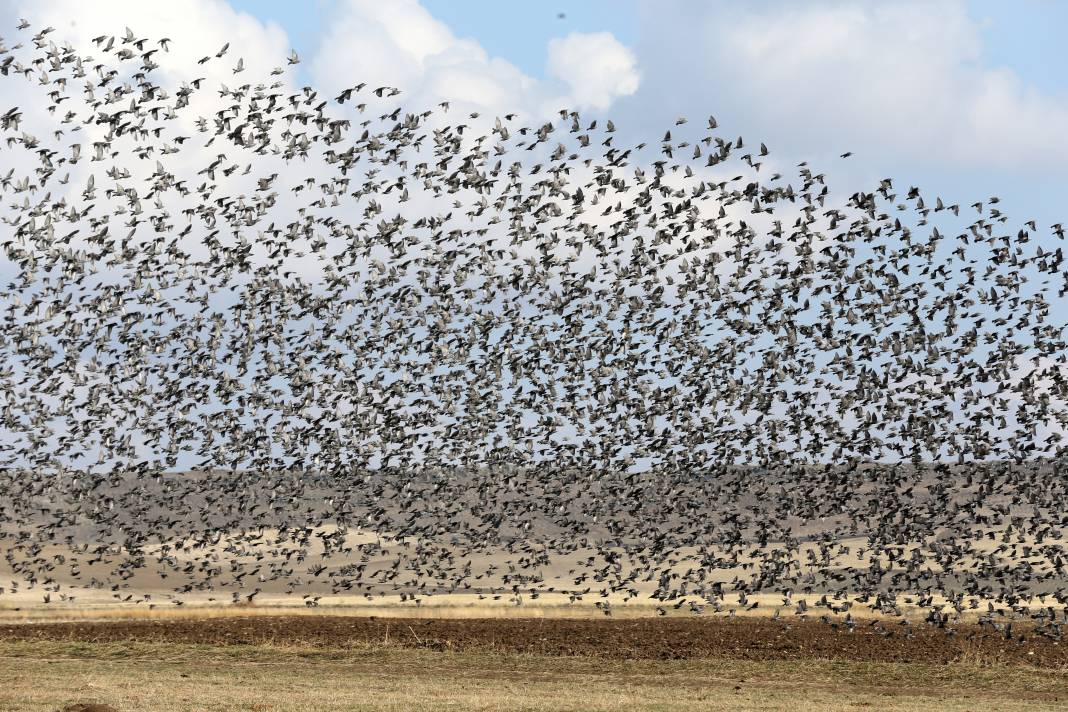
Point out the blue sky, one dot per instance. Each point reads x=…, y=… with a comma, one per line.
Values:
x=516, y=31
x=1020, y=38
x=963, y=98
x=1026, y=35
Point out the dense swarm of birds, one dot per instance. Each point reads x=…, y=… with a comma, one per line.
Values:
x=256, y=334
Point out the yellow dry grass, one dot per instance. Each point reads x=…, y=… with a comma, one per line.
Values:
x=453, y=606
x=39, y=677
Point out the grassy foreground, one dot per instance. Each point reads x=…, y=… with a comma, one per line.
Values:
x=46, y=676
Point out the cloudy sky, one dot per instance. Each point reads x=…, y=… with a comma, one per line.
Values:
x=965, y=99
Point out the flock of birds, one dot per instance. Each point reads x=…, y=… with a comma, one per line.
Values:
x=253, y=335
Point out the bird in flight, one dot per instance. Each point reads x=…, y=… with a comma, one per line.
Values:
x=255, y=342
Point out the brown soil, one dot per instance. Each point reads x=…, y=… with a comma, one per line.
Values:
x=89, y=707
x=640, y=638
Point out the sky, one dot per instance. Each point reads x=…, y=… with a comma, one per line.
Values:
x=965, y=99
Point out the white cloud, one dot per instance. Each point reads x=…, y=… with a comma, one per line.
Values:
x=903, y=80
x=400, y=44
x=397, y=43
x=596, y=68
x=197, y=28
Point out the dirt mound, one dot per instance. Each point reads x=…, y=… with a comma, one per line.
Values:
x=640, y=638
x=88, y=707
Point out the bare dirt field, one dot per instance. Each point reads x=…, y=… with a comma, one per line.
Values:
x=317, y=662
x=756, y=639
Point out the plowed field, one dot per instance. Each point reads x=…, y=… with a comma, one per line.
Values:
x=754, y=639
